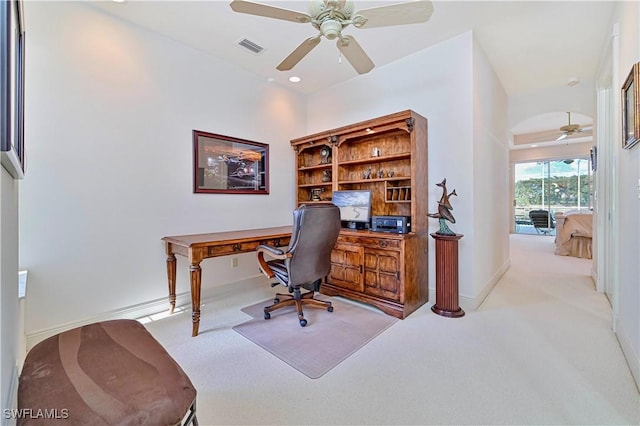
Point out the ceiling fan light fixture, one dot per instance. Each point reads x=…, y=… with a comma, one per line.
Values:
x=331, y=29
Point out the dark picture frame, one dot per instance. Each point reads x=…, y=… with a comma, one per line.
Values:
x=229, y=165
x=12, y=64
x=631, y=108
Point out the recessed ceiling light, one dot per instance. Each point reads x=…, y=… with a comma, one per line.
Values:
x=294, y=79
x=271, y=79
x=118, y=1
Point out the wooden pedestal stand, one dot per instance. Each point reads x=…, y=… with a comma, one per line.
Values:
x=447, y=276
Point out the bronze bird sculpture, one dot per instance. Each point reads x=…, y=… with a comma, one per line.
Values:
x=444, y=210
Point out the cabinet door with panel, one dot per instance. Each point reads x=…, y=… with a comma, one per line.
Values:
x=382, y=277
x=346, y=267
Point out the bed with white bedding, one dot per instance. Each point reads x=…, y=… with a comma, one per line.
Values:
x=574, y=233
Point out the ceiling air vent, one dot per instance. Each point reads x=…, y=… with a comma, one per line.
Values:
x=249, y=45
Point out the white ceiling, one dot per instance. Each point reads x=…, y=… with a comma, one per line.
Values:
x=532, y=45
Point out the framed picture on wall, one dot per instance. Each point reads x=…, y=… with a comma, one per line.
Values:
x=631, y=108
x=12, y=41
x=228, y=165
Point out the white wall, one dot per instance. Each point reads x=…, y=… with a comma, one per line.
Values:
x=438, y=84
x=9, y=317
x=490, y=153
x=110, y=111
x=627, y=326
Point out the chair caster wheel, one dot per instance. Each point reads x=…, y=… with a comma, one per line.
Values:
x=267, y=315
x=303, y=322
x=330, y=309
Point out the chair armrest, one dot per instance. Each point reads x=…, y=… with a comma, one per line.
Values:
x=271, y=251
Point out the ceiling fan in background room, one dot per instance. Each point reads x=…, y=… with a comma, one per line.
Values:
x=330, y=17
x=570, y=129
x=527, y=134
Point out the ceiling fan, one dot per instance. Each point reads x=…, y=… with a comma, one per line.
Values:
x=570, y=129
x=330, y=17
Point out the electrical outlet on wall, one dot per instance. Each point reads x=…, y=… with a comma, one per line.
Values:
x=234, y=262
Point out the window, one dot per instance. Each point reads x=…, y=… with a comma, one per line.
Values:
x=555, y=186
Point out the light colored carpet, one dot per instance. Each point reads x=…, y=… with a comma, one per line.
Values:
x=540, y=350
x=328, y=339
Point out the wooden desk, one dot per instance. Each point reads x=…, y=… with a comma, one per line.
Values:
x=198, y=247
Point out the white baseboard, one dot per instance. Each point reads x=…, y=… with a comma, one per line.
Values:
x=140, y=310
x=633, y=358
x=477, y=301
x=594, y=278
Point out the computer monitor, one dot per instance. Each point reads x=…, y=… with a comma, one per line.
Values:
x=355, y=208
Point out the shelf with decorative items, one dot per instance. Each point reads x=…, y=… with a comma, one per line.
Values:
x=386, y=155
x=314, y=154
x=314, y=192
x=379, y=159
x=369, y=173
x=374, y=168
x=377, y=164
x=315, y=176
x=313, y=185
x=314, y=172
x=316, y=167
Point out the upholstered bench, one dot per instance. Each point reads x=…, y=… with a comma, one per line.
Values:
x=106, y=373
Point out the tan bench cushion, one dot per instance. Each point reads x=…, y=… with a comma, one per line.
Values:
x=107, y=373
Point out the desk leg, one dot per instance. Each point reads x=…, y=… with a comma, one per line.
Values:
x=196, y=277
x=171, y=275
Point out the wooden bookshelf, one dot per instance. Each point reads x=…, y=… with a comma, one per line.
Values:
x=387, y=155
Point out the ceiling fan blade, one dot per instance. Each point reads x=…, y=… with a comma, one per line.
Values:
x=412, y=12
x=259, y=9
x=543, y=137
x=299, y=53
x=562, y=137
x=355, y=54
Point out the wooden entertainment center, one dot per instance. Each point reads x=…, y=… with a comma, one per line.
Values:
x=387, y=155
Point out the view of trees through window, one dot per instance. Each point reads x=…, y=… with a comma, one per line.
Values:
x=555, y=186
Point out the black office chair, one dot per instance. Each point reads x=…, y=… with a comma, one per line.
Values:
x=307, y=259
x=541, y=221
